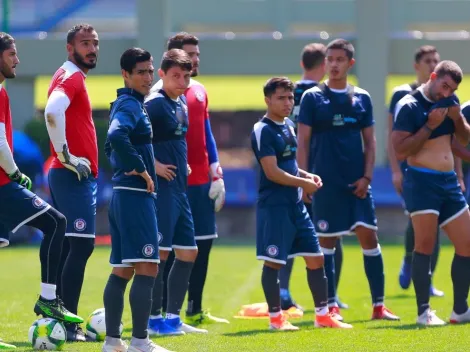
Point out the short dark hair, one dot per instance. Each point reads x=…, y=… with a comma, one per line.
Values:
x=277, y=82
x=6, y=41
x=178, y=58
x=313, y=55
x=180, y=39
x=451, y=69
x=131, y=57
x=342, y=44
x=424, y=50
x=77, y=28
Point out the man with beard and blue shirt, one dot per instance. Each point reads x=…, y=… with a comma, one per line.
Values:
x=336, y=134
x=168, y=113
x=427, y=123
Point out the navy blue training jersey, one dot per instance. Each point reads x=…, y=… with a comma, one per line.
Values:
x=466, y=110
x=337, y=119
x=299, y=90
x=129, y=142
x=269, y=138
x=412, y=111
x=398, y=93
x=170, y=124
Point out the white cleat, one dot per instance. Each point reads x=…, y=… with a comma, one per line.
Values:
x=460, y=318
x=429, y=318
x=188, y=329
x=145, y=346
x=112, y=344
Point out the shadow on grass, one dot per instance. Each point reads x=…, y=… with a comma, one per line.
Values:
x=405, y=327
x=20, y=344
x=253, y=332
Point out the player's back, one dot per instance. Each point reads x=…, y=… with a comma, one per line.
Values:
x=128, y=106
x=269, y=138
x=5, y=118
x=399, y=92
x=337, y=118
x=80, y=128
x=299, y=89
x=169, y=120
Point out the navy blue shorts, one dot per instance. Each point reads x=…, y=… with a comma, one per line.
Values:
x=76, y=200
x=284, y=231
x=337, y=212
x=175, y=222
x=433, y=192
x=133, y=226
x=202, y=209
x=18, y=207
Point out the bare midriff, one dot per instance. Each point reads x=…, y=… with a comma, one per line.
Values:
x=436, y=154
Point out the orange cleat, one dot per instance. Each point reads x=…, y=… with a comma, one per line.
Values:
x=335, y=313
x=383, y=313
x=329, y=321
x=280, y=323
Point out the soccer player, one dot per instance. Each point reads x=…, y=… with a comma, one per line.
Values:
x=336, y=133
x=74, y=169
x=132, y=211
x=426, y=121
x=283, y=227
x=313, y=67
x=19, y=206
x=426, y=58
x=206, y=189
x=168, y=113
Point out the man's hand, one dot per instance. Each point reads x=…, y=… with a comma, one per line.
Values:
x=397, y=180
x=217, y=189
x=306, y=197
x=360, y=187
x=189, y=170
x=454, y=112
x=145, y=175
x=435, y=117
x=81, y=166
x=165, y=171
x=21, y=179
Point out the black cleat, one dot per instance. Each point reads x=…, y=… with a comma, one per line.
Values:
x=288, y=303
x=75, y=333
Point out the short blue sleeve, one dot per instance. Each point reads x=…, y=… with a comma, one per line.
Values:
x=395, y=99
x=153, y=107
x=264, y=142
x=466, y=111
x=405, y=117
x=307, y=109
x=369, y=115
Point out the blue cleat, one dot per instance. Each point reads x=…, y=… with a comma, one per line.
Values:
x=405, y=275
x=160, y=327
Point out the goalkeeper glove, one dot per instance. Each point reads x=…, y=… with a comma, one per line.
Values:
x=81, y=166
x=217, y=189
x=21, y=179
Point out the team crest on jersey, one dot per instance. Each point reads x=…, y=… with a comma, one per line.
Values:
x=199, y=96
x=160, y=237
x=338, y=120
x=148, y=250
x=79, y=224
x=38, y=202
x=323, y=225
x=272, y=250
x=289, y=150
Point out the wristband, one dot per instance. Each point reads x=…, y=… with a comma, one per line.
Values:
x=428, y=128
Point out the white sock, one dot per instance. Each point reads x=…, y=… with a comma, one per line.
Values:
x=322, y=311
x=159, y=316
x=172, y=316
x=139, y=342
x=48, y=291
x=275, y=314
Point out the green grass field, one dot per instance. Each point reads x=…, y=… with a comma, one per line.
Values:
x=234, y=279
x=245, y=92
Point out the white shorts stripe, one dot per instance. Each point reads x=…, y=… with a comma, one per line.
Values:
x=4, y=242
x=267, y=259
x=206, y=237
x=140, y=260
x=183, y=247
x=425, y=211
x=166, y=249
x=290, y=256
x=82, y=235
x=32, y=217
x=121, y=265
x=453, y=217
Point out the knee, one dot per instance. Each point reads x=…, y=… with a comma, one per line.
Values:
x=186, y=255
x=424, y=246
x=61, y=222
x=369, y=240
x=82, y=248
x=328, y=242
x=313, y=263
x=147, y=269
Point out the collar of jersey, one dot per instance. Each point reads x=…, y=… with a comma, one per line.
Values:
x=130, y=91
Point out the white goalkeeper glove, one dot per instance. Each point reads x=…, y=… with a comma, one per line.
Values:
x=217, y=189
x=81, y=166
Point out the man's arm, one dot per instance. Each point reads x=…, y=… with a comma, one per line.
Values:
x=392, y=158
x=460, y=151
x=462, y=129
x=276, y=175
x=54, y=113
x=370, y=146
x=304, y=135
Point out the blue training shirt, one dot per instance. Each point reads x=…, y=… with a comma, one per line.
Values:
x=299, y=90
x=170, y=124
x=269, y=138
x=129, y=142
x=337, y=119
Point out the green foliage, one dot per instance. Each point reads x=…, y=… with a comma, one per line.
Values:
x=36, y=130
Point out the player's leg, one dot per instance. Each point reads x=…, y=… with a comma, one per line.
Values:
x=77, y=201
x=205, y=229
x=306, y=244
x=404, y=277
x=4, y=241
x=338, y=267
x=168, y=264
x=434, y=258
x=186, y=251
x=455, y=221
x=166, y=218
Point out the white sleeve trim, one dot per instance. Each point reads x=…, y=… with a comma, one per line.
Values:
x=7, y=162
x=54, y=114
